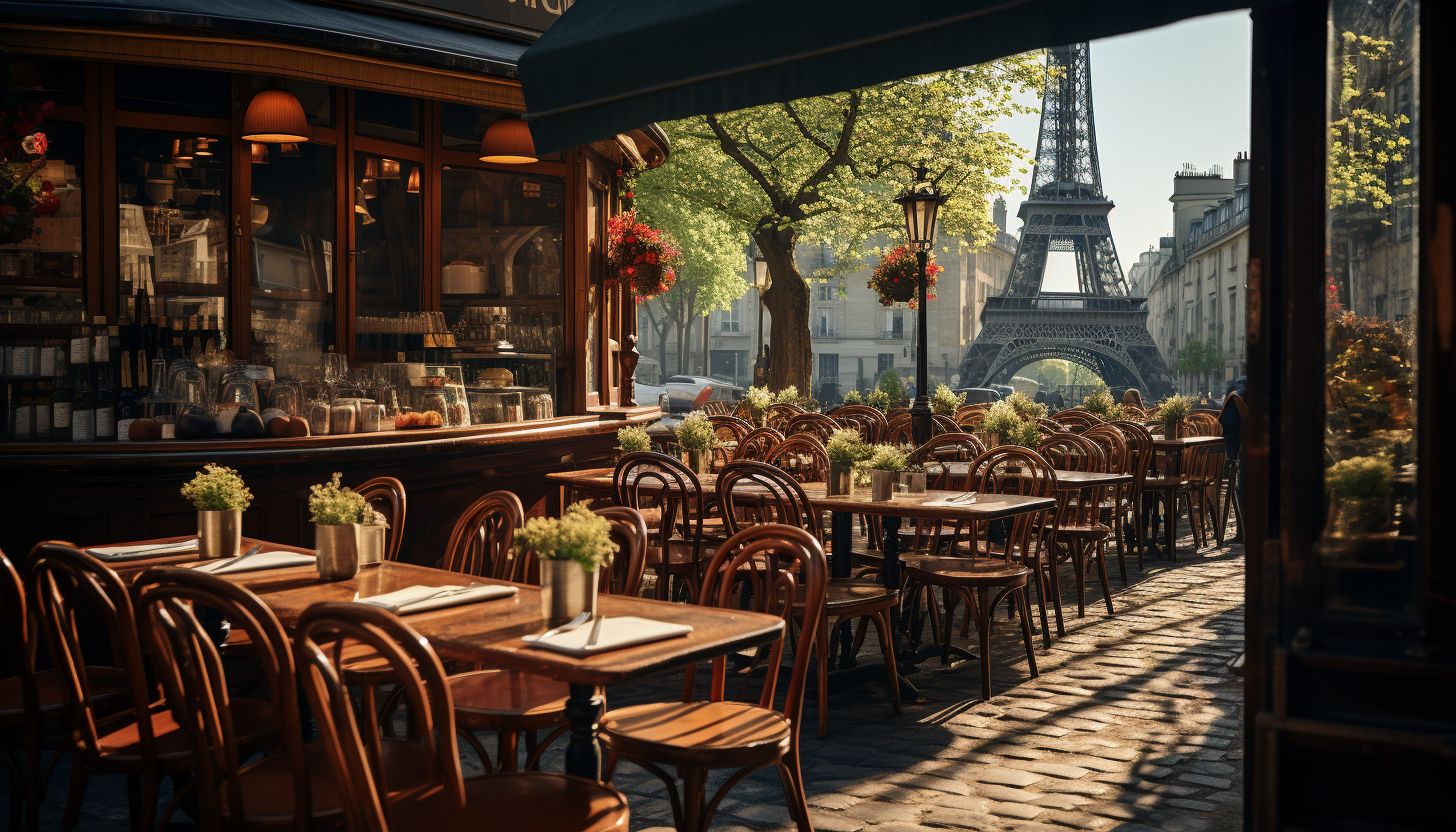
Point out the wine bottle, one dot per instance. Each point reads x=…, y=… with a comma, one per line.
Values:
x=105, y=421
x=83, y=406
x=99, y=350
x=142, y=387
x=128, y=404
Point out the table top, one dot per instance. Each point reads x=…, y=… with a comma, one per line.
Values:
x=1065, y=479
x=490, y=631
x=1185, y=441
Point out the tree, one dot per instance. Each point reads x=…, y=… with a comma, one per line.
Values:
x=1198, y=358
x=824, y=169
x=710, y=275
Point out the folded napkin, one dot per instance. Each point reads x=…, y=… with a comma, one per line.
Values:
x=413, y=599
x=958, y=501
x=254, y=563
x=616, y=633
x=145, y=550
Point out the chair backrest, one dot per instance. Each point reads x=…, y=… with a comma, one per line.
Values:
x=1204, y=424
x=757, y=444
x=1048, y=425
x=942, y=424
x=716, y=408
x=768, y=493
x=1010, y=469
x=60, y=582
x=1073, y=452
x=898, y=432
x=970, y=416
x=1076, y=418
x=646, y=480
x=897, y=411
x=777, y=416
x=1113, y=442
x=629, y=532
x=17, y=652
x=782, y=564
x=386, y=495
x=370, y=801
x=867, y=420
x=814, y=424
x=947, y=447
x=729, y=430
x=802, y=457
x=1139, y=449
x=480, y=543
x=185, y=658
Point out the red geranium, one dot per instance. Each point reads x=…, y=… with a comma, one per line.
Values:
x=896, y=278
x=640, y=255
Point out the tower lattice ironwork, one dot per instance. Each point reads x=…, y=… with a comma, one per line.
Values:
x=1098, y=326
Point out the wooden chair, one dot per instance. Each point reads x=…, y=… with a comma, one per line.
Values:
x=1140, y=450
x=898, y=432
x=1076, y=420
x=942, y=424
x=661, y=486
x=897, y=411
x=1203, y=424
x=1050, y=426
x=868, y=421
x=1117, y=501
x=728, y=429
x=291, y=786
x=386, y=495
x=946, y=448
x=757, y=444
x=801, y=457
x=434, y=796
x=717, y=408
x=814, y=424
x=143, y=741
x=1079, y=527
x=777, y=416
x=786, y=569
x=992, y=567
x=480, y=542
x=629, y=532
x=970, y=416
x=1204, y=466
x=777, y=498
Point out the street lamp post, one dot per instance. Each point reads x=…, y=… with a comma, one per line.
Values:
x=760, y=282
x=921, y=200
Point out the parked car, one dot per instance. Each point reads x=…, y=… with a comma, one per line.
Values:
x=979, y=395
x=688, y=393
x=1004, y=389
x=648, y=394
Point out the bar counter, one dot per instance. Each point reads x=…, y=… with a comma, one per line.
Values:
x=130, y=490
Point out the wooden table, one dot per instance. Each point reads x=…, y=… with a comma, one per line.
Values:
x=1172, y=453
x=490, y=632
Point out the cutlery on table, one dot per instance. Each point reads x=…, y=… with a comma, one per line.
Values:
x=230, y=561
x=596, y=630
x=564, y=628
x=443, y=593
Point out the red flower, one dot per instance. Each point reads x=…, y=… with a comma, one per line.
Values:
x=46, y=186
x=651, y=258
x=628, y=270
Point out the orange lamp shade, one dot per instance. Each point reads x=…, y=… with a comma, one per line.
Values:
x=276, y=116
x=508, y=142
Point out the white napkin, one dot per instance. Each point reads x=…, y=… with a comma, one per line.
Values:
x=145, y=550
x=957, y=501
x=254, y=563
x=616, y=633
x=424, y=598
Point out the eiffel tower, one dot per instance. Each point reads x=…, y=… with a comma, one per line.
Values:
x=1099, y=326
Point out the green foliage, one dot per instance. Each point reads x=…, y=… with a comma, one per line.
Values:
x=846, y=445
x=633, y=438
x=853, y=397
x=892, y=386
x=216, y=488
x=788, y=395
x=1174, y=407
x=1026, y=407
x=578, y=535
x=1368, y=376
x=946, y=402
x=331, y=504
x=1013, y=428
x=1359, y=477
x=1101, y=405
x=885, y=458
x=695, y=433
x=1367, y=148
x=1199, y=357
x=712, y=266
x=880, y=400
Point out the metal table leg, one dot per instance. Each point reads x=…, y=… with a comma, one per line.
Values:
x=584, y=709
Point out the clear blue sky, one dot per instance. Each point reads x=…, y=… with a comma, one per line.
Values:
x=1160, y=98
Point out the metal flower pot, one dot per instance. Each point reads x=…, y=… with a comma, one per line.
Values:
x=989, y=439
x=371, y=545
x=700, y=462
x=567, y=591
x=337, y=548
x=841, y=479
x=1170, y=428
x=914, y=481
x=219, y=534
x=882, y=485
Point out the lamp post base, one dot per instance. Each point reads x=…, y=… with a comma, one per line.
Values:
x=921, y=426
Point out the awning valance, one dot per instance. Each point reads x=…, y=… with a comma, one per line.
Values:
x=610, y=65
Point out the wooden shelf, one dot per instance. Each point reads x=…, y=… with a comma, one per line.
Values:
x=286, y=294
x=213, y=290
x=38, y=330
x=10, y=281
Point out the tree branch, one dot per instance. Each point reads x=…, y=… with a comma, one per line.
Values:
x=794, y=117
x=809, y=191
x=736, y=153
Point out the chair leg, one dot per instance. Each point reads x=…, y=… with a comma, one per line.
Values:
x=1120, y=534
x=1139, y=529
x=21, y=794
x=505, y=751
x=887, y=650
x=983, y=623
x=950, y=599
x=859, y=635
x=1041, y=601
x=1079, y=567
x=695, y=785
x=1102, y=571
x=793, y=782
x=1026, y=629
x=821, y=660
x=77, y=793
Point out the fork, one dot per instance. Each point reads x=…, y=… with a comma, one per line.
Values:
x=444, y=593
x=564, y=628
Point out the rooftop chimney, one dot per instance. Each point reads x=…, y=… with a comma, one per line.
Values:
x=1241, y=169
x=998, y=212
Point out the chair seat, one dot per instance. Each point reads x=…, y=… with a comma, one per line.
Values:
x=967, y=571
x=251, y=719
x=703, y=734
x=361, y=665
x=534, y=800
x=105, y=682
x=267, y=785
x=1084, y=529
x=1164, y=482
x=844, y=594
x=503, y=699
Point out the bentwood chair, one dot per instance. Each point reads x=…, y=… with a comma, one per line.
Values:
x=386, y=495
x=1079, y=523
x=970, y=415
x=942, y=424
x=1117, y=501
x=662, y=487
x=775, y=497
x=801, y=457
x=480, y=542
x=946, y=448
x=814, y=424
x=1140, y=450
x=898, y=432
x=757, y=444
x=434, y=796
x=993, y=567
x=1076, y=420
x=777, y=416
x=81, y=604
x=289, y=788
x=728, y=429
x=786, y=570
x=867, y=420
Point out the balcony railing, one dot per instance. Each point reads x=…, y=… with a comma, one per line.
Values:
x=892, y=334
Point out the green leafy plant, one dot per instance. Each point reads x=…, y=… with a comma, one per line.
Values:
x=579, y=535
x=945, y=402
x=879, y=400
x=695, y=433
x=885, y=458
x=1026, y=407
x=1002, y=419
x=1360, y=491
x=853, y=397
x=893, y=387
x=633, y=438
x=788, y=395
x=758, y=398
x=1174, y=407
x=846, y=445
x=1100, y=404
x=331, y=504
x=216, y=488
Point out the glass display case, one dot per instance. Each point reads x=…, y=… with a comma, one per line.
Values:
x=40, y=276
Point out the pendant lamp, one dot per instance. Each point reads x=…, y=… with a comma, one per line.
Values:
x=388, y=168
x=260, y=153
x=371, y=169
x=414, y=181
x=508, y=142
x=274, y=115
x=289, y=149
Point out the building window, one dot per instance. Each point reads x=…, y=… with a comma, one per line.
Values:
x=729, y=318
x=824, y=324
x=826, y=292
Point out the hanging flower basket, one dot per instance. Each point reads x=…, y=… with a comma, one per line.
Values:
x=23, y=196
x=896, y=278
x=640, y=256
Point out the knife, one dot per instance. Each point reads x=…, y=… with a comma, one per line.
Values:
x=443, y=593
x=213, y=567
x=591, y=640
x=564, y=628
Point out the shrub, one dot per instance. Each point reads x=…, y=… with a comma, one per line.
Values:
x=886, y=458
x=1174, y=407
x=892, y=386
x=853, y=397
x=216, y=488
x=846, y=445
x=946, y=402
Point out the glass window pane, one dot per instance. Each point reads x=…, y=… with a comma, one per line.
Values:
x=173, y=225
x=167, y=90
x=1371, y=297
x=386, y=239
x=41, y=280
x=384, y=116
x=44, y=79
x=293, y=259
x=463, y=126
x=317, y=100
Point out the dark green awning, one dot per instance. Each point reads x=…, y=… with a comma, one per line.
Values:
x=608, y=66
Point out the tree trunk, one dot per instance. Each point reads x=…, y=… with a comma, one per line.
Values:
x=787, y=300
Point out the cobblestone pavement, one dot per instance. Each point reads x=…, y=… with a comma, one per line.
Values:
x=1134, y=724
